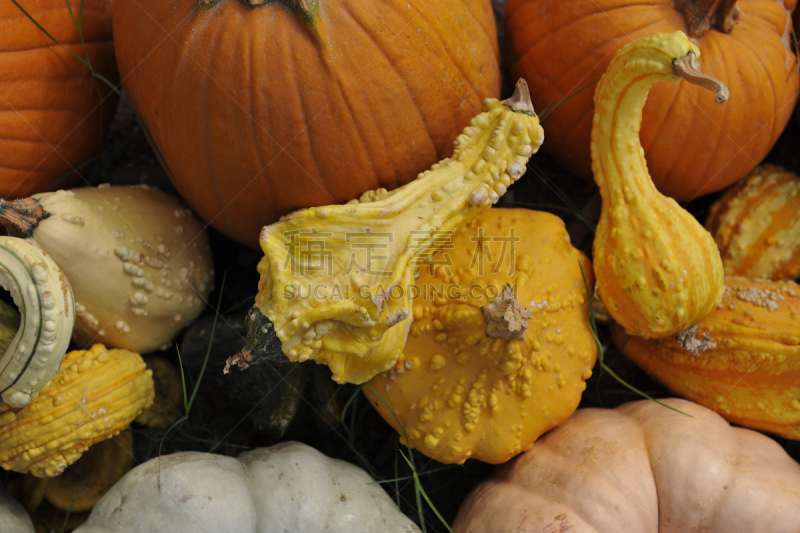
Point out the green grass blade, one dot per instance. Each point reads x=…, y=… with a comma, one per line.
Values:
x=76, y=169
x=183, y=380
x=180, y=421
x=72, y=505
x=573, y=209
x=76, y=56
x=405, y=478
x=549, y=109
x=417, y=494
x=396, y=472
x=430, y=503
x=79, y=27
x=208, y=350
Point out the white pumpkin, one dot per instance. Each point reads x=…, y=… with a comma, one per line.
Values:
x=286, y=487
x=13, y=518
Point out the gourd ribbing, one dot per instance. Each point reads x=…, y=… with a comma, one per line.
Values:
x=658, y=270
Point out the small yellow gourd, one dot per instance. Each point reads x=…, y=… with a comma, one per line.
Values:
x=658, y=271
x=334, y=279
x=500, y=346
x=95, y=394
x=756, y=225
x=742, y=360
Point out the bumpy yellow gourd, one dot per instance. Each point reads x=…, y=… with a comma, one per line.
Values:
x=335, y=279
x=658, y=271
x=756, y=225
x=95, y=394
x=465, y=388
x=742, y=360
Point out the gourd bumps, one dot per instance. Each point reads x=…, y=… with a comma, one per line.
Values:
x=460, y=393
x=95, y=394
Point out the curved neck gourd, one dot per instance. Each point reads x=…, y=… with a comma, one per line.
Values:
x=335, y=280
x=658, y=271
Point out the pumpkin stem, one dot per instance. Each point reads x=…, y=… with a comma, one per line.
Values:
x=700, y=15
x=506, y=318
x=521, y=99
x=306, y=10
x=21, y=217
x=686, y=68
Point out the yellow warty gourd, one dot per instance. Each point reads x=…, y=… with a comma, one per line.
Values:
x=471, y=383
x=335, y=279
x=742, y=360
x=95, y=394
x=756, y=225
x=658, y=271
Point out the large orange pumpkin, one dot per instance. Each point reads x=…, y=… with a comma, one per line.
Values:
x=261, y=110
x=51, y=116
x=560, y=47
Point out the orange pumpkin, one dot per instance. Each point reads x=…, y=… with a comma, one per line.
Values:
x=262, y=110
x=560, y=47
x=51, y=116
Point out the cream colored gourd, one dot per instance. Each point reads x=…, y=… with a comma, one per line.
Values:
x=13, y=517
x=287, y=487
x=658, y=271
x=47, y=314
x=335, y=279
x=641, y=468
x=138, y=261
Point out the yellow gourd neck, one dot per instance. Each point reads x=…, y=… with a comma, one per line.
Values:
x=617, y=154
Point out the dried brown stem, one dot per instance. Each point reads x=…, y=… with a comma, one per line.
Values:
x=687, y=68
x=242, y=360
x=701, y=15
x=20, y=217
x=506, y=318
x=521, y=99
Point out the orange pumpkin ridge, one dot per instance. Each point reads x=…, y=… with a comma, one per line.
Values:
x=384, y=87
x=51, y=116
x=754, y=59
